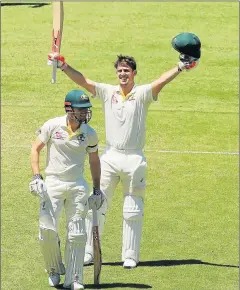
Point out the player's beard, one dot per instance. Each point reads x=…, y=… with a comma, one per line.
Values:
x=72, y=118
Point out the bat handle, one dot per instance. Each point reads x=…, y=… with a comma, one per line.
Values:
x=54, y=72
x=94, y=216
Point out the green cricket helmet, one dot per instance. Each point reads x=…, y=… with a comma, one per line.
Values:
x=78, y=99
x=187, y=43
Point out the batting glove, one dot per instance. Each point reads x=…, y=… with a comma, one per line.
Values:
x=37, y=186
x=96, y=199
x=187, y=62
x=53, y=56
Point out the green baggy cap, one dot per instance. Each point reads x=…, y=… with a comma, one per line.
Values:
x=187, y=43
x=77, y=99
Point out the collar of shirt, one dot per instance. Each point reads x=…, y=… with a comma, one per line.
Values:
x=67, y=128
x=124, y=98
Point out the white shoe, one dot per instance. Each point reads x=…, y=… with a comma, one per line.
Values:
x=53, y=279
x=88, y=259
x=74, y=286
x=129, y=264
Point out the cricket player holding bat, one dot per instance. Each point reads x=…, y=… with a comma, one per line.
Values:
x=68, y=139
x=125, y=107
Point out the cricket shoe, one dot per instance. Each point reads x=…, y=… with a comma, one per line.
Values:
x=53, y=279
x=129, y=264
x=88, y=259
x=73, y=286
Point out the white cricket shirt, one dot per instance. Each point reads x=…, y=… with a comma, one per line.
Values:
x=125, y=121
x=66, y=153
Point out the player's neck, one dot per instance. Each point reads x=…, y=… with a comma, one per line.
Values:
x=126, y=89
x=73, y=125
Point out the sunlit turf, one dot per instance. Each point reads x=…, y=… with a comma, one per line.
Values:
x=190, y=236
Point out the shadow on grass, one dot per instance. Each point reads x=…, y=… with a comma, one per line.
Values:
x=159, y=263
x=169, y=263
x=118, y=285
x=32, y=5
x=112, y=285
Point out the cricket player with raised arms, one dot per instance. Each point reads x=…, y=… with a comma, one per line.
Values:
x=125, y=107
x=68, y=139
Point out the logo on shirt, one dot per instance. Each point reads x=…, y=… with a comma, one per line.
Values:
x=81, y=137
x=131, y=98
x=114, y=99
x=58, y=135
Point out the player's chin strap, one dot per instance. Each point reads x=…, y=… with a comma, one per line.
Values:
x=73, y=117
x=88, y=117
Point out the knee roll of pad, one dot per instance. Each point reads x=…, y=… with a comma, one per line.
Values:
x=133, y=208
x=77, y=231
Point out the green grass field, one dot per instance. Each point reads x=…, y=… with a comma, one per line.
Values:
x=191, y=226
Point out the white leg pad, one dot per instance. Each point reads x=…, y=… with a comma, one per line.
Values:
x=49, y=245
x=132, y=227
x=74, y=251
x=101, y=222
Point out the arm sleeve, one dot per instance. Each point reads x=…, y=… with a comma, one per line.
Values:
x=102, y=91
x=44, y=132
x=92, y=141
x=146, y=94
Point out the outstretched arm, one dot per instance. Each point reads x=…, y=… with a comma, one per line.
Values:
x=164, y=79
x=79, y=79
x=73, y=74
x=186, y=63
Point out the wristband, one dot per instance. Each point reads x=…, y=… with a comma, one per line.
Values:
x=64, y=66
x=179, y=69
x=37, y=176
x=96, y=191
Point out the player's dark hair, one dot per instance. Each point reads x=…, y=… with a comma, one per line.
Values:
x=129, y=60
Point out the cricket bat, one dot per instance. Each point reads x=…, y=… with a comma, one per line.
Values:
x=58, y=16
x=96, y=248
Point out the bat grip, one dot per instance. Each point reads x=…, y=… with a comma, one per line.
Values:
x=54, y=72
x=94, y=217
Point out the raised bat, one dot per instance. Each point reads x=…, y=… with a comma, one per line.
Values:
x=58, y=16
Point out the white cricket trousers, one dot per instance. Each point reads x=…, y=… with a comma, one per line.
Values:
x=129, y=167
x=73, y=197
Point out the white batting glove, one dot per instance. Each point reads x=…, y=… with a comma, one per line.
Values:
x=37, y=186
x=187, y=62
x=96, y=199
x=53, y=56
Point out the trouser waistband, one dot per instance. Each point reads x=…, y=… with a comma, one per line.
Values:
x=127, y=151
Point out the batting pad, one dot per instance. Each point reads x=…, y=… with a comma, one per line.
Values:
x=74, y=251
x=49, y=245
x=132, y=227
x=101, y=214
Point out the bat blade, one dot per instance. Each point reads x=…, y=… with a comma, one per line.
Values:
x=96, y=249
x=58, y=16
